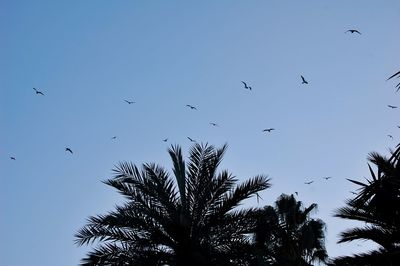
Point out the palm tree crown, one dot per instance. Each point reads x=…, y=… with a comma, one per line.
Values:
x=289, y=235
x=378, y=205
x=186, y=220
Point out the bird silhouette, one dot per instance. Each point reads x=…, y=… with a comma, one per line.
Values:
x=390, y=136
x=38, y=92
x=192, y=140
x=165, y=140
x=353, y=31
x=398, y=126
x=12, y=158
x=114, y=137
x=392, y=106
x=304, y=81
x=191, y=107
x=327, y=177
x=297, y=193
x=246, y=86
x=268, y=129
x=309, y=182
x=352, y=192
x=129, y=102
x=214, y=124
x=68, y=150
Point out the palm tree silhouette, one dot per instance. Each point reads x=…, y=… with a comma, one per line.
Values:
x=397, y=74
x=186, y=220
x=377, y=204
x=286, y=235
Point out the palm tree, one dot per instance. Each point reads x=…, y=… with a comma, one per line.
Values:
x=378, y=206
x=289, y=236
x=190, y=219
x=397, y=74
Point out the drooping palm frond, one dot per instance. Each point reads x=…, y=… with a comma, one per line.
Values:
x=397, y=74
x=378, y=257
x=381, y=236
x=233, y=198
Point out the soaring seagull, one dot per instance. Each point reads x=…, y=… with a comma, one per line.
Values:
x=304, y=81
x=129, y=102
x=327, y=177
x=268, y=129
x=38, y=92
x=309, y=183
x=390, y=136
x=246, y=86
x=165, y=140
x=214, y=124
x=392, y=106
x=68, y=150
x=192, y=140
x=114, y=137
x=12, y=158
x=353, y=31
x=191, y=107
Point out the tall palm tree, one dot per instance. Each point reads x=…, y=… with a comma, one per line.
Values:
x=190, y=219
x=378, y=205
x=289, y=236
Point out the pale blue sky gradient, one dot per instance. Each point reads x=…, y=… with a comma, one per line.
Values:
x=88, y=56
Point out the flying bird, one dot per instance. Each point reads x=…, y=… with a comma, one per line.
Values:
x=390, y=136
x=38, y=92
x=114, y=137
x=327, y=177
x=353, y=31
x=392, y=106
x=165, y=140
x=297, y=193
x=68, y=150
x=246, y=86
x=354, y=193
x=268, y=129
x=129, y=102
x=12, y=158
x=309, y=182
x=304, y=81
x=192, y=140
x=191, y=107
x=398, y=126
x=214, y=124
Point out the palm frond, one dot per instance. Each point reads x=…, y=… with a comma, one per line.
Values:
x=242, y=192
x=175, y=152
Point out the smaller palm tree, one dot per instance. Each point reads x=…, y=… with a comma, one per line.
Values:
x=288, y=235
x=190, y=219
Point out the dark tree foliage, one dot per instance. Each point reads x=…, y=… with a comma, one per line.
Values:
x=397, y=74
x=286, y=235
x=188, y=219
x=378, y=206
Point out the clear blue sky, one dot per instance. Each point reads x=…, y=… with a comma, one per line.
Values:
x=88, y=56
